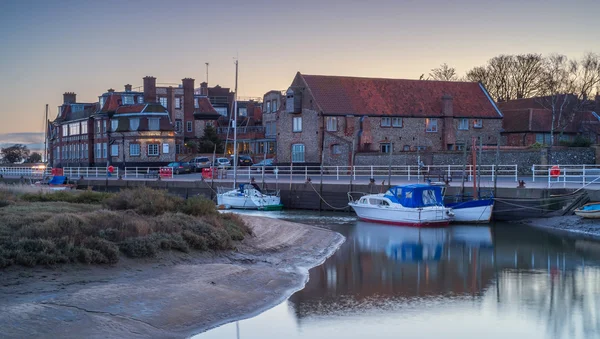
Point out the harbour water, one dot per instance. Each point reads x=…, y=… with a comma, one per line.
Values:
x=502, y=281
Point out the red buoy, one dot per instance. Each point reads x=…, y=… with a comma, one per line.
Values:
x=555, y=171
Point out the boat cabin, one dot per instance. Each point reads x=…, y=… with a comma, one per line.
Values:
x=415, y=196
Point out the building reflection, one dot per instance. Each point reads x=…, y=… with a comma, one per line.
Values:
x=516, y=266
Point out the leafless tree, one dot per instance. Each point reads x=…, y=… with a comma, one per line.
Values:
x=444, y=73
x=527, y=74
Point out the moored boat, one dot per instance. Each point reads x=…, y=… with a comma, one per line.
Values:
x=249, y=196
x=472, y=211
x=589, y=211
x=410, y=205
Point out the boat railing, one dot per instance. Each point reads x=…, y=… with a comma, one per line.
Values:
x=358, y=195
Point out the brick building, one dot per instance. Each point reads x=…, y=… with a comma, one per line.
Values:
x=327, y=117
x=529, y=121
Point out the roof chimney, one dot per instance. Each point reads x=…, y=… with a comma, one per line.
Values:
x=69, y=98
x=188, y=102
x=128, y=88
x=110, y=90
x=447, y=105
x=204, y=88
x=149, y=89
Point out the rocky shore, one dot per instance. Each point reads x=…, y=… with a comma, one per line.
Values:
x=173, y=296
x=572, y=224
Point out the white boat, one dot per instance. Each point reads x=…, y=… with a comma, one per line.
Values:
x=410, y=205
x=472, y=211
x=248, y=196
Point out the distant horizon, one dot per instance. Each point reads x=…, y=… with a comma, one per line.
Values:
x=52, y=48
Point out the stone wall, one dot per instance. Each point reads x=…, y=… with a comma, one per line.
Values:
x=524, y=159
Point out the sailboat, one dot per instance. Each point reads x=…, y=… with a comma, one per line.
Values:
x=246, y=195
x=474, y=210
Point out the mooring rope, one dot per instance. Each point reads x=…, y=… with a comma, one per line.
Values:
x=322, y=199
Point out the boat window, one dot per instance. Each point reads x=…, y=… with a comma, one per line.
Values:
x=429, y=197
x=408, y=195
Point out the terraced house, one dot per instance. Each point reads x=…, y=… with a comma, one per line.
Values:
x=328, y=119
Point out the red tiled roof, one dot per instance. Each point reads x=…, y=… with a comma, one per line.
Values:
x=540, y=120
x=112, y=103
x=204, y=106
x=135, y=108
x=337, y=95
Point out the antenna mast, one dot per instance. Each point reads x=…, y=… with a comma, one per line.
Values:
x=235, y=155
x=46, y=137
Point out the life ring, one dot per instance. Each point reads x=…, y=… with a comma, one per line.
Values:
x=554, y=171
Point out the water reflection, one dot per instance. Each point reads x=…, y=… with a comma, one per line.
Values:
x=463, y=281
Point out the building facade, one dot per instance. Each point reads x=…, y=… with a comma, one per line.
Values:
x=329, y=119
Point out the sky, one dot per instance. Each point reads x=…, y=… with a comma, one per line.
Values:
x=51, y=47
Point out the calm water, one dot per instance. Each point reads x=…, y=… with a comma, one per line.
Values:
x=508, y=281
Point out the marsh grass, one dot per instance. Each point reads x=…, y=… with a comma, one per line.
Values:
x=49, y=228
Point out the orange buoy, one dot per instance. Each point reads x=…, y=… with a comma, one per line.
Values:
x=555, y=171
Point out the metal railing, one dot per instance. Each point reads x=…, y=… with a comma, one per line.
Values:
x=25, y=171
x=145, y=173
x=566, y=174
x=90, y=172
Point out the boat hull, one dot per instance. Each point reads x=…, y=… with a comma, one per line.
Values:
x=426, y=217
x=475, y=211
x=589, y=211
x=241, y=201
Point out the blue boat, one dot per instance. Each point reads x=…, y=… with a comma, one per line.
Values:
x=589, y=211
x=472, y=211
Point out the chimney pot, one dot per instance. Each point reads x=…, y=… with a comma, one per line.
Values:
x=110, y=90
x=69, y=97
x=128, y=88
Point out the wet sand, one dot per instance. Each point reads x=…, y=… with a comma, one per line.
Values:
x=174, y=296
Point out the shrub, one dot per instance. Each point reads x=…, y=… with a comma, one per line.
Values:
x=581, y=141
x=139, y=247
x=199, y=206
x=108, y=249
x=144, y=200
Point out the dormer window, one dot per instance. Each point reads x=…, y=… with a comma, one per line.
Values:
x=134, y=124
x=127, y=99
x=196, y=105
x=153, y=124
x=163, y=101
x=101, y=102
x=140, y=99
x=268, y=108
x=289, y=101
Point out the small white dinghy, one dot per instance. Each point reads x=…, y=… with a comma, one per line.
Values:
x=589, y=211
x=248, y=196
x=410, y=205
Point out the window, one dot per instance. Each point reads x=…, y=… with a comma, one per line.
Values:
x=297, y=127
x=84, y=127
x=177, y=148
x=165, y=148
x=74, y=129
x=460, y=147
x=76, y=108
x=86, y=151
x=114, y=150
x=104, y=150
x=406, y=148
x=178, y=126
x=140, y=99
x=134, y=124
x=153, y=124
x=336, y=149
x=114, y=124
x=196, y=105
x=101, y=102
x=268, y=109
x=188, y=126
x=243, y=111
x=98, y=126
x=103, y=126
x=298, y=153
x=98, y=151
x=134, y=150
x=163, y=101
x=385, y=147
x=386, y=122
x=430, y=125
x=65, y=130
x=221, y=110
x=463, y=124
x=421, y=148
x=396, y=122
x=127, y=99
x=478, y=123
x=153, y=149
x=274, y=106
x=177, y=102
x=331, y=124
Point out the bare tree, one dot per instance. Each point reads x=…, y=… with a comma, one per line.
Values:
x=527, y=74
x=444, y=73
x=586, y=75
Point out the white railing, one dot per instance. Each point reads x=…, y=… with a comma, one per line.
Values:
x=146, y=173
x=567, y=174
x=25, y=171
x=90, y=172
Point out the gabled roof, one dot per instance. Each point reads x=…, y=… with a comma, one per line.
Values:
x=67, y=113
x=540, y=121
x=339, y=95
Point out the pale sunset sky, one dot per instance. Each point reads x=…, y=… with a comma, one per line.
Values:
x=51, y=47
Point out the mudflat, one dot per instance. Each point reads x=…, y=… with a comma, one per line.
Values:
x=174, y=295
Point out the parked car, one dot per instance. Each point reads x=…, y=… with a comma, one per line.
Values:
x=243, y=160
x=267, y=164
x=180, y=167
x=222, y=163
x=199, y=163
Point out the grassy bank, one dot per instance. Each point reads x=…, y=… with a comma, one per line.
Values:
x=47, y=228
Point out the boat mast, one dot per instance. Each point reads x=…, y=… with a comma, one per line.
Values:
x=46, y=137
x=235, y=113
x=474, y=169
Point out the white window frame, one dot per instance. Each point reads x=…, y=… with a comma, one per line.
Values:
x=336, y=149
x=134, y=124
x=178, y=102
x=153, y=149
x=163, y=101
x=114, y=150
x=84, y=127
x=298, y=153
x=196, y=104
x=297, y=124
x=114, y=124
x=188, y=126
x=477, y=123
x=243, y=111
x=134, y=150
x=140, y=99
x=463, y=124
x=178, y=126
x=65, y=130
x=127, y=99
x=397, y=122
x=386, y=145
x=165, y=148
x=154, y=124
x=268, y=108
x=332, y=124
x=98, y=151
x=431, y=125
x=274, y=106
x=104, y=150
x=386, y=122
